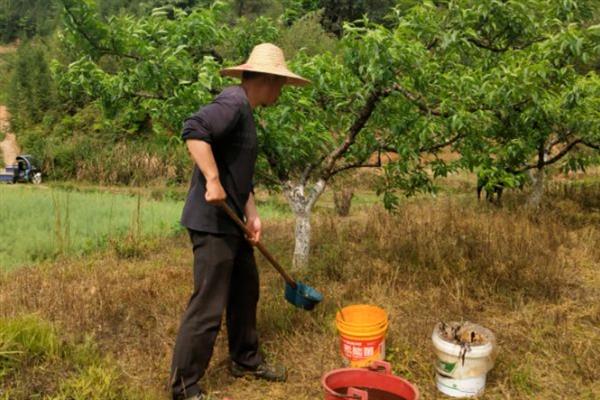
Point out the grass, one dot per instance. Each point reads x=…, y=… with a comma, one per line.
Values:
x=25, y=337
x=42, y=223
x=531, y=277
x=62, y=368
x=69, y=220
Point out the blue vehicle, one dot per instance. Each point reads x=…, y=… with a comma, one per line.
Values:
x=27, y=169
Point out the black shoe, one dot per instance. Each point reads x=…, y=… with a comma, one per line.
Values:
x=273, y=373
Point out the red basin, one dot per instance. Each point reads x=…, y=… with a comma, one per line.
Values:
x=374, y=383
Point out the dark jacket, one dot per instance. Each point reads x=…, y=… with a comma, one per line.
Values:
x=228, y=125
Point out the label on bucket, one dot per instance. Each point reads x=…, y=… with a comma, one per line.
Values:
x=362, y=350
x=446, y=367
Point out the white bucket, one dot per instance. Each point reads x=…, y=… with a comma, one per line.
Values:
x=455, y=378
x=469, y=387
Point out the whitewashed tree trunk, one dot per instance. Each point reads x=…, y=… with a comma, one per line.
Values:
x=302, y=202
x=302, y=235
x=537, y=191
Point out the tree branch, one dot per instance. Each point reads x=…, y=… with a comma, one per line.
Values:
x=218, y=58
x=433, y=43
x=419, y=102
x=357, y=126
x=146, y=95
x=442, y=145
x=273, y=164
x=431, y=148
x=562, y=153
x=554, y=143
x=358, y=164
x=542, y=163
x=590, y=145
x=268, y=177
x=102, y=50
x=310, y=168
x=487, y=46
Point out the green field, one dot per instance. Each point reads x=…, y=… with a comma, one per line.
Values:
x=42, y=223
x=38, y=224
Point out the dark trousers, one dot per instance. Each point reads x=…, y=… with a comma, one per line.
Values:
x=225, y=277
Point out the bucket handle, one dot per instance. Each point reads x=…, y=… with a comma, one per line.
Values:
x=378, y=366
x=352, y=393
x=357, y=394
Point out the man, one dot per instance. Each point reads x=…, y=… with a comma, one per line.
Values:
x=221, y=138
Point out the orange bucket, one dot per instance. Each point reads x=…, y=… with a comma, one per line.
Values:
x=362, y=329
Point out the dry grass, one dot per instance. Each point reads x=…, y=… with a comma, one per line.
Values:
x=532, y=279
x=9, y=48
x=9, y=148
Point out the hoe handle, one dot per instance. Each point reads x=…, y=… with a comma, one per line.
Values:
x=260, y=246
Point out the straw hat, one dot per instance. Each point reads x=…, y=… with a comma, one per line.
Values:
x=266, y=58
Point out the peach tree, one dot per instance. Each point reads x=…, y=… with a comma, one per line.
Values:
x=499, y=84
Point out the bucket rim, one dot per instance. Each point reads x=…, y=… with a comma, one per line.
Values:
x=476, y=351
x=353, y=307
x=362, y=327
x=362, y=308
x=340, y=321
x=375, y=334
x=367, y=370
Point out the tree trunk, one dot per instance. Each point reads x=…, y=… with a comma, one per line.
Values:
x=342, y=199
x=302, y=203
x=302, y=240
x=537, y=191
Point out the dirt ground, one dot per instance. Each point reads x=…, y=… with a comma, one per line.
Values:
x=9, y=48
x=9, y=146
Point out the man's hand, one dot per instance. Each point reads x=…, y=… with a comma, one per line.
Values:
x=252, y=220
x=254, y=225
x=202, y=154
x=215, y=194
